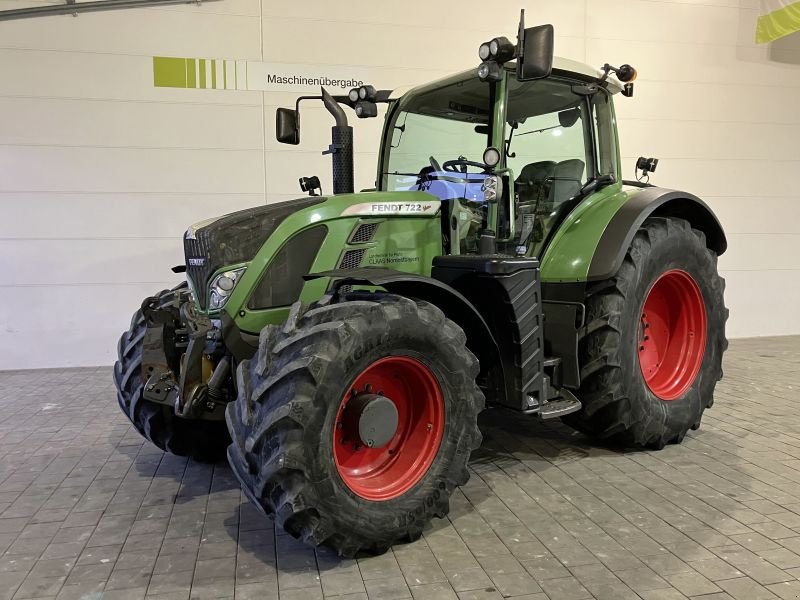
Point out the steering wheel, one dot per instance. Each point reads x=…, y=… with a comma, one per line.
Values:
x=450, y=165
x=435, y=164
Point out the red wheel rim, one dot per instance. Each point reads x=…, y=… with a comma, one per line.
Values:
x=672, y=334
x=388, y=472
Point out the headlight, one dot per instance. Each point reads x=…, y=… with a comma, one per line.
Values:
x=222, y=286
x=492, y=189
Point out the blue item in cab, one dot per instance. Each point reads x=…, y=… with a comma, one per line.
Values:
x=451, y=185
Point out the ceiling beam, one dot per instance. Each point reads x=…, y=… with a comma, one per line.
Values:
x=74, y=8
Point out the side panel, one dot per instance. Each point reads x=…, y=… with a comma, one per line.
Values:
x=407, y=239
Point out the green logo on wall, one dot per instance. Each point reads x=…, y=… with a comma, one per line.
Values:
x=227, y=74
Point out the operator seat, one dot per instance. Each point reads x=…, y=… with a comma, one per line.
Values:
x=532, y=183
x=566, y=182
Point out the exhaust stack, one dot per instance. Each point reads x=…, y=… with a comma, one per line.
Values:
x=341, y=148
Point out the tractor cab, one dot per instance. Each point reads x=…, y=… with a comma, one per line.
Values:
x=538, y=143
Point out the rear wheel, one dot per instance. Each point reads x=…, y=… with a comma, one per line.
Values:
x=204, y=441
x=651, y=351
x=355, y=421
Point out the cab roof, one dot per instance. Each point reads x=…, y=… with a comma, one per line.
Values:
x=561, y=66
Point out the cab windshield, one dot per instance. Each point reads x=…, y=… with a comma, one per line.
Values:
x=445, y=124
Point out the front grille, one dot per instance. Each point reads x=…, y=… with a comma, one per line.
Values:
x=363, y=233
x=198, y=268
x=352, y=259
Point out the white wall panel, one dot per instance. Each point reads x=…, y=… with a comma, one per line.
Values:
x=140, y=31
x=90, y=261
x=670, y=139
x=26, y=168
x=761, y=302
x=666, y=22
x=60, y=122
x=424, y=21
x=720, y=177
x=755, y=214
x=65, y=215
x=703, y=102
x=75, y=325
x=101, y=172
x=691, y=62
x=761, y=251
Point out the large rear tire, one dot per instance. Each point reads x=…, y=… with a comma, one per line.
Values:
x=651, y=351
x=307, y=459
x=204, y=441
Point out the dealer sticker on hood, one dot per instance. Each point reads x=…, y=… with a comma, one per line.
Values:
x=430, y=207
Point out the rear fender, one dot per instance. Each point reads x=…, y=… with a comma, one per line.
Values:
x=651, y=202
x=591, y=243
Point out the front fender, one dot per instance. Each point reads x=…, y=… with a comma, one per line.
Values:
x=458, y=308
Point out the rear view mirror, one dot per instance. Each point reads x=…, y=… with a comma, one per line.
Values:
x=535, y=59
x=568, y=118
x=286, y=126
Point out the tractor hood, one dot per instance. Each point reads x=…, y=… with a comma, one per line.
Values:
x=233, y=239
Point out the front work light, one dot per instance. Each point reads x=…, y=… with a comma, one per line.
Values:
x=490, y=71
x=222, y=287
x=483, y=51
x=491, y=157
x=352, y=95
x=501, y=49
x=365, y=110
x=366, y=92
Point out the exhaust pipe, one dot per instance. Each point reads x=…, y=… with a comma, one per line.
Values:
x=341, y=148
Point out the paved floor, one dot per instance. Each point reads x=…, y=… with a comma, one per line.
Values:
x=87, y=510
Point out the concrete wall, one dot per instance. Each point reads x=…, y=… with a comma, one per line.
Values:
x=100, y=172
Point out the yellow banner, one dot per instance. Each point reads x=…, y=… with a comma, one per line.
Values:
x=778, y=18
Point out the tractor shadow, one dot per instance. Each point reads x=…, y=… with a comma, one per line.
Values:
x=509, y=435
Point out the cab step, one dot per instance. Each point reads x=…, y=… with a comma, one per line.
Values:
x=559, y=407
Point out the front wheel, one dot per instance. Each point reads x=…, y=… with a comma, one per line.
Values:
x=355, y=421
x=651, y=350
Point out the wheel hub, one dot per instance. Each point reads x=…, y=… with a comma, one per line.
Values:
x=370, y=419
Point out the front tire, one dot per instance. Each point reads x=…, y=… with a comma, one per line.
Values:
x=302, y=459
x=651, y=350
x=204, y=441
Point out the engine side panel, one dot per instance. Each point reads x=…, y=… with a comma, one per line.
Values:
x=406, y=236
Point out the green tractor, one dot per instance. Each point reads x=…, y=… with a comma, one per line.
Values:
x=341, y=347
